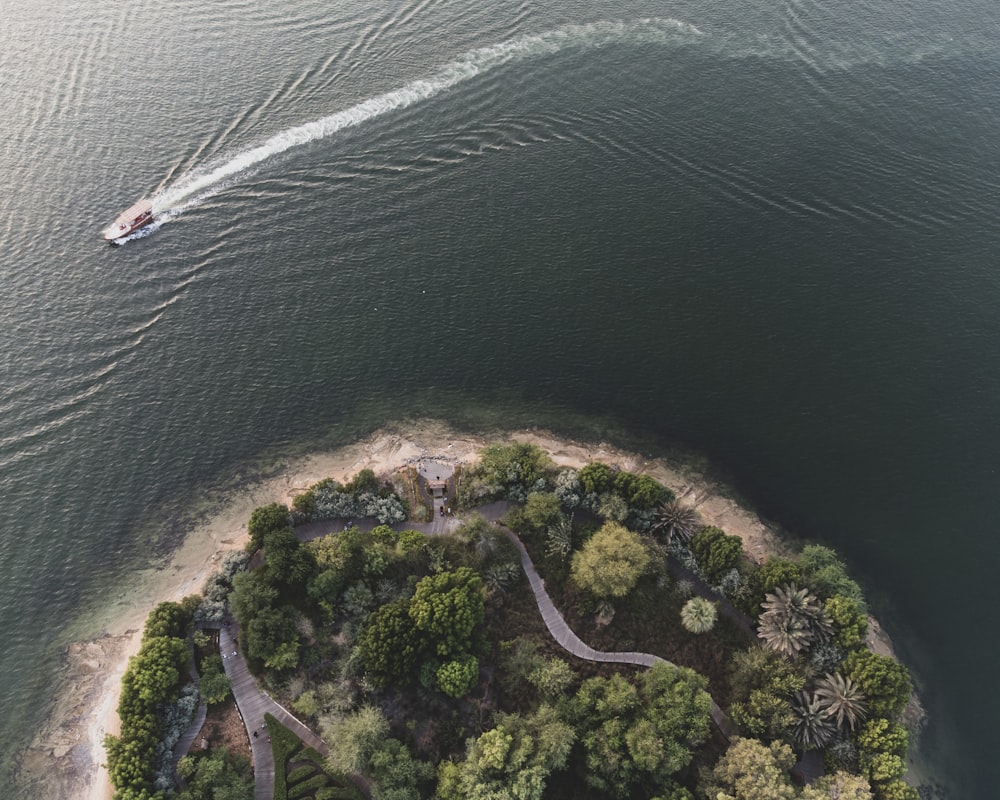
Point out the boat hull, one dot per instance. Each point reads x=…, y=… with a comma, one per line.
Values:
x=138, y=216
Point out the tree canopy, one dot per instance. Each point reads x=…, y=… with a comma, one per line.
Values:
x=610, y=562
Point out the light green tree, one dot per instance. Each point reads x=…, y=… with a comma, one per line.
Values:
x=611, y=562
x=698, y=615
x=751, y=770
x=512, y=761
x=352, y=738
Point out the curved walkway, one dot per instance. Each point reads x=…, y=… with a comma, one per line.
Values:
x=253, y=703
x=570, y=642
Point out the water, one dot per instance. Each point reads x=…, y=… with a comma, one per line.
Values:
x=765, y=231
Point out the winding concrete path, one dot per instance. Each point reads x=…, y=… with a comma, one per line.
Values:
x=253, y=703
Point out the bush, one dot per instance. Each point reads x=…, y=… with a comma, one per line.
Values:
x=456, y=678
x=300, y=773
x=716, y=552
x=885, y=682
x=849, y=621
x=309, y=786
x=595, y=478
x=826, y=575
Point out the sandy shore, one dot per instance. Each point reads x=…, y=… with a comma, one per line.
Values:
x=64, y=760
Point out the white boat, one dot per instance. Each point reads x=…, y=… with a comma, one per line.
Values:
x=131, y=219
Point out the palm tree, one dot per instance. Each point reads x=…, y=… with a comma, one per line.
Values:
x=559, y=537
x=812, y=728
x=793, y=619
x=674, y=519
x=698, y=615
x=786, y=634
x=842, y=699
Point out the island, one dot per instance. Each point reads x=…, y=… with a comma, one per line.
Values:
x=514, y=621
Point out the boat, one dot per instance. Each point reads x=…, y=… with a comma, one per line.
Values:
x=131, y=219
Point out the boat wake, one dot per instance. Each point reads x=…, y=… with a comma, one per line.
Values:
x=200, y=184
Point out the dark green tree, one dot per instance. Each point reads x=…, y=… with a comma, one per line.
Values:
x=390, y=644
x=216, y=775
x=884, y=681
x=265, y=520
x=716, y=552
x=446, y=608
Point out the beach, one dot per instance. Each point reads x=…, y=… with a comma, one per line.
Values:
x=64, y=759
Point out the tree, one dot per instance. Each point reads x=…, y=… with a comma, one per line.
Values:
x=515, y=465
x=611, y=561
x=552, y=677
x=595, y=478
x=646, y=732
x=823, y=570
x=457, y=677
x=396, y=773
x=167, y=619
x=850, y=622
x=842, y=699
x=389, y=644
x=838, y=786
x=541, y=510
x=774, y=573
x=792, y=620
x=270, y=638
x=213, y=684
x=716, y=552
x=675, y=520
x=446, y=608
x=885, y=682
x=641, y=492
x=265, y=520
x=512, y=761
x=353, y=738
x=215, y=775
x=750, y=770
x=812, y=727
x=698, y=615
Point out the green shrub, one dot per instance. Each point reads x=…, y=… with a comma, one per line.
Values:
x=595, y=478
x=716, y=552
x=309, y=786
x=885, y=682
x=826, y=575
x=300, y=773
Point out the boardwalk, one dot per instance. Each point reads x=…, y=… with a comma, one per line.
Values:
x=570, y=642
x=253, y=704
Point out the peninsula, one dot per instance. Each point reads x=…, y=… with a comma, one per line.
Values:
x=431, y=614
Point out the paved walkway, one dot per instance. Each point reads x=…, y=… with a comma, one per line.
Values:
x=253, y=703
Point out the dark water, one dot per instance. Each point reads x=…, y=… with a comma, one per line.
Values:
x=767, y=231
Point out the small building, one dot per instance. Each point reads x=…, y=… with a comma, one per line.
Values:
x=438, y=489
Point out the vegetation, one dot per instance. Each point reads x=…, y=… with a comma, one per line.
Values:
x=299, y=771
x=215, y=775
x=698, y=615
x=423, y=662
x=152, y=709
x=610, y=562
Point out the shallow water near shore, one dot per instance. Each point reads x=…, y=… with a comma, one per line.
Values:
x=765, y=232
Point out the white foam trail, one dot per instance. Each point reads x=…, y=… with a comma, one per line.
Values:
x=476, y=62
